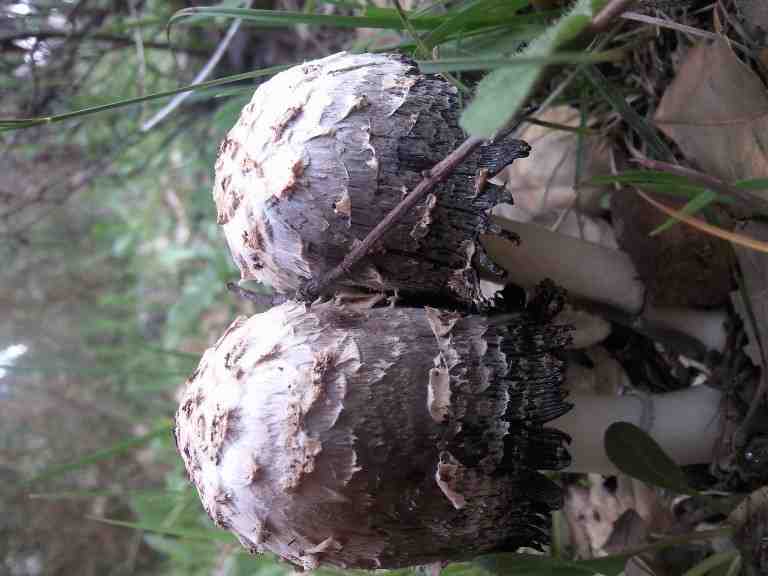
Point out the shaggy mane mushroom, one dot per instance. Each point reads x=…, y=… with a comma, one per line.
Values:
x=325, y=150
x=376, y=439
x=393, y=436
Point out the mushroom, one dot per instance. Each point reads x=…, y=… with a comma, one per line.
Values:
x=386, y=437
x=325, y=150
x=390, y=436
x=377, y=438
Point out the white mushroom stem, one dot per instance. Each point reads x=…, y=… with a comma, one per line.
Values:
x=597, y=274
x=686, y=424
x=707, y=326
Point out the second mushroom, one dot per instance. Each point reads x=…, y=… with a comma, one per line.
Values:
x=392, y=436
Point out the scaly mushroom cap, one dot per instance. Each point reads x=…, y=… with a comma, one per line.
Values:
x=324, y=151
x=382, y=438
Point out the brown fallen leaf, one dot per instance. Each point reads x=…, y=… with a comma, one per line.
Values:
x=716, y=110
x=682, y=266
x=543, y=187
x=629, y=531
x=754, y=14
x=590, y=513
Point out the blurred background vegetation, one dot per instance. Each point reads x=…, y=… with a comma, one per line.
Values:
x=114, y=270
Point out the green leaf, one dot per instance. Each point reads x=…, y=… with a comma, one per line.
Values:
x=701, y=201
x=636, y=454
x=502, y=92
x=18, y=123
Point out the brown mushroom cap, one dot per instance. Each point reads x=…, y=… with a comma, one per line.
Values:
x=382, y=438
x=324, y=151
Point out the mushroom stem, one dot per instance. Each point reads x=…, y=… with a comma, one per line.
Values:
x=685, y=424
x=596, y=274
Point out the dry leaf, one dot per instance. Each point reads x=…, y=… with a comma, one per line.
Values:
x=590, y=514
x=716, y=110
x=543, y=185
x=754, y=15
x=629, y=531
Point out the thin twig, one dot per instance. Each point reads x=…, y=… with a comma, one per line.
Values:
x=204, y=72
x=608, y=15
x=672, y=25
x=313, y=288
x=8, y=43
x=750, y=200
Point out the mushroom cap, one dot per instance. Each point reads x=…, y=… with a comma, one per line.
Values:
x=324, y=151
x=379, y=438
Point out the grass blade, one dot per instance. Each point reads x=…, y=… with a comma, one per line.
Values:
x=374, y=18
x=114, y=450
x=707, y=228
x=584, y=131
x=459, y=20
x=422, y=49
x=87, y=494
x=753, y=184
x=15, y=124
x=211, y=535
x=466, y=64
x=659, y=182
x=693, y=206
x=647, y=133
